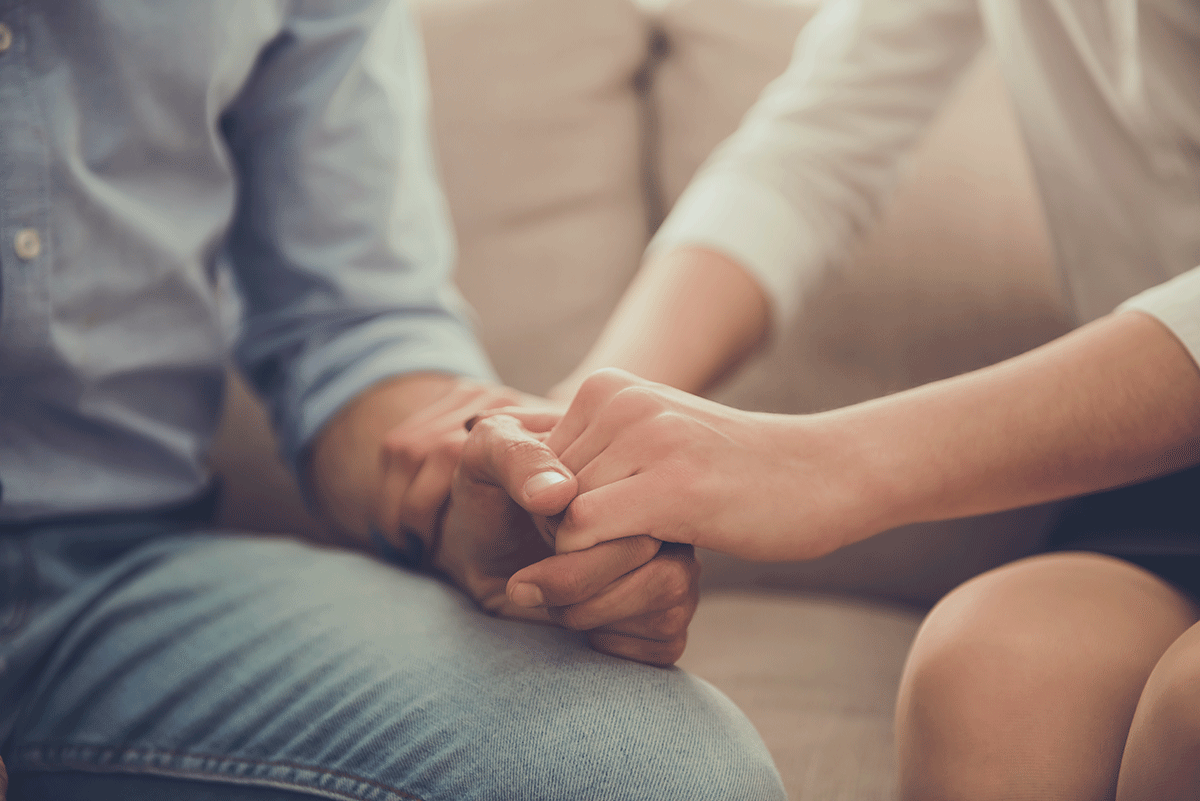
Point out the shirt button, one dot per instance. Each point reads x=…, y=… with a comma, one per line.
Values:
x=28, y=244
x=5, y=37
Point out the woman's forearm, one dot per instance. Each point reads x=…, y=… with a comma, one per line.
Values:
x=1115, y=402
x=689, y=317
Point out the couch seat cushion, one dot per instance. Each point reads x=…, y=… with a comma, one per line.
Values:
x=817, y=675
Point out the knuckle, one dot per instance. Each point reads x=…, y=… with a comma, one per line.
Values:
x=520, y=460
x=499, y=441
x=605, y=381
x=672, y=623
x=636, y=401
x=522, y=449
x=475, y=446
x=670, y=653
x=486, y=427
x=675, y=583
x=503, y=436
x=669, y=426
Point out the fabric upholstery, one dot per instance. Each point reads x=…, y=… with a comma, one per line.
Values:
x=538, y=127
x=817, y=675
x=710, y=74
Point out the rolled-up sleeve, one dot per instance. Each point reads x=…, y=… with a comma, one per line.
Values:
x=1176, y=304
x=810, y=167
x=341, y=241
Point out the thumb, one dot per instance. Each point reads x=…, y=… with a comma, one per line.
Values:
x=502, y=452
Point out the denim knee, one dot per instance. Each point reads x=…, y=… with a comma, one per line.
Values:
x=268, y=662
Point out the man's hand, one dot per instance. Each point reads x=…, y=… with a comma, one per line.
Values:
x=421, y=454
x=388, y=462
x=633, y=596
x=384, y=463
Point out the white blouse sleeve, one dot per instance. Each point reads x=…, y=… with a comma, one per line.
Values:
x=1176, y=304
x=809, y=168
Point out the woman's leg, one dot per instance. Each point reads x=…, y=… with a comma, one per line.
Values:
x=1022, y=682
x=1162, y=754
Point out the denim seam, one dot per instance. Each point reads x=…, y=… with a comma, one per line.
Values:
x=234, y=770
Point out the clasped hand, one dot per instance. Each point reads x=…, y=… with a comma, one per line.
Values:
x=633, y=596
x=647, y=459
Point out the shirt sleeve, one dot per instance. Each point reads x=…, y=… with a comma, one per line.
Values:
x=809, y=168
x=1176, y=303
x=341, y=241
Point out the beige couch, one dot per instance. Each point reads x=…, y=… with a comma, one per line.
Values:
x=565, y=130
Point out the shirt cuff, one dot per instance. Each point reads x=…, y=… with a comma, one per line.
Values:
x=755, y=226
x=383, y=348
x=1176, y=304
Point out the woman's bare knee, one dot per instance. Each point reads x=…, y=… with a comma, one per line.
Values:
x=1162, y=754
x=1022, y=681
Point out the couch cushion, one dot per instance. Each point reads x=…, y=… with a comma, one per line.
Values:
x=539, y=136
x=719, y=56
x=818, y=677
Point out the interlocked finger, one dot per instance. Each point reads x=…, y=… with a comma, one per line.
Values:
x=593, y=397
x=569, y=579
x=654, y=601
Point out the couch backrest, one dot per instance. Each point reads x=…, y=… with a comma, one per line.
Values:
x=538, y=127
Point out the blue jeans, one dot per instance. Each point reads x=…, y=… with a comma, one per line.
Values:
x=237, y=666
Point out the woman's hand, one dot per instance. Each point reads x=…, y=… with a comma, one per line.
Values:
x=653, y=460
x=1112, y=403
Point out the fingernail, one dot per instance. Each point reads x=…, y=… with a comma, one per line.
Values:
x=543, y=481
x=527, y=595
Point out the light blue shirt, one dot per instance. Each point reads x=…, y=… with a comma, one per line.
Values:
x=149, y=149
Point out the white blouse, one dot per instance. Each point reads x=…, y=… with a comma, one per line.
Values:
x=1108, y=96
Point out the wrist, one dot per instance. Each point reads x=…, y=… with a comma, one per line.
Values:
x=847, y=477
